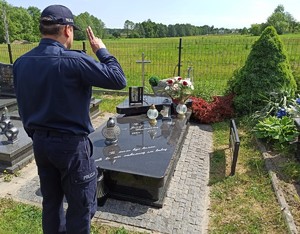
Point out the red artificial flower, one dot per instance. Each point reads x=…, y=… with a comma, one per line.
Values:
x=184, y=83
x=170, y=82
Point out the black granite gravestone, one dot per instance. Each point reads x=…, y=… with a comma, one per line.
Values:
x=127, y=109
x=14, y=156
x=6, y=80
x=139, y=167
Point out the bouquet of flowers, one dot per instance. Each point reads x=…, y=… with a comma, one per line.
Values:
x=179, y=89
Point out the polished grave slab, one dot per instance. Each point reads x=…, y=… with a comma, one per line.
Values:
x=139, y=167
x=141, y=108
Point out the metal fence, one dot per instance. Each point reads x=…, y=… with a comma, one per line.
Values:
x=212, y=59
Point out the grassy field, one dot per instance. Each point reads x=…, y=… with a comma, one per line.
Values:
x=213, y=58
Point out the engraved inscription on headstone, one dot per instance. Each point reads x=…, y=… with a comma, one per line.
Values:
x=6, y=80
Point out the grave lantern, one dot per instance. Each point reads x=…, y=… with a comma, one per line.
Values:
x=111, y=132
x=166, y=111
x=152, y=114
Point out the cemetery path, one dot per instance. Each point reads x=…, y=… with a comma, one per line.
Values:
x=13, y=184
x=186, y=204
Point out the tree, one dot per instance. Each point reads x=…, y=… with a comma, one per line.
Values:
x=266, y=69
x=293, y=24
x=139, y=29
x=149, y=28
x=98, y=26
x=116, y=34
x=162, y=30
x=171, y=31
x=128, y=26
x=255, y=29
x=20, y=24
x=244, y=31
x=35, y=14
x=180, y=30
x=4, y=34
x=84, y=20
x=281, y=20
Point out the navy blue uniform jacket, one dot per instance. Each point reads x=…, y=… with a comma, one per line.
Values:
x=54, y=86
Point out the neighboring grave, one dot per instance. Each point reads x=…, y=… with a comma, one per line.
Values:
x=139, y=167
x=13, y=156
x=6, y=80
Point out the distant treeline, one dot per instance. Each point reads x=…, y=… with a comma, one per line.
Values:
x=19, y=23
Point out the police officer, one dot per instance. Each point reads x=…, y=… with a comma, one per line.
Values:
x=53, y=86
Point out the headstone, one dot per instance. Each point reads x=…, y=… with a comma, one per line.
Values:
x=139, y=167
x=6, y=80
x=14, y=156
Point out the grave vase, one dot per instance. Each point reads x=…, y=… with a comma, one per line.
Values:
x=174, y=104
x=181, y=109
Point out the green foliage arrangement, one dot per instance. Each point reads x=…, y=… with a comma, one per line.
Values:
x=266, y=69
x=153, y=80
x=273, y=129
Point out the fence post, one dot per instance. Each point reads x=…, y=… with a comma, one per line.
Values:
x=179, y=55
x=83, y=47
x=234, y=143
x=10, y=54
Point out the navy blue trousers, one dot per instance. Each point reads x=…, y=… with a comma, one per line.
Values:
x=66, y=169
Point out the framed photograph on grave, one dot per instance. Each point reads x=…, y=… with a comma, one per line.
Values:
x=135, y=95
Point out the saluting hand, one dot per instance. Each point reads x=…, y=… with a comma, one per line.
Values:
x=95, y=42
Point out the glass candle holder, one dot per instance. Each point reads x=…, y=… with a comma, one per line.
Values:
x=152, y=114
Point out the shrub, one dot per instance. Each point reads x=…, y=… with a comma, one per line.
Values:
x=153, y=80
x=211, y=112
x=266, y=69
x=273, y=129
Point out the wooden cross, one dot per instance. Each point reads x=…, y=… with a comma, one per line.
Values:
x=143, y=62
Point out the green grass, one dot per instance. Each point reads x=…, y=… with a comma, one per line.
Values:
x=17, y=218
x=109, y=102
x=213, y=57
x=245, y=202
